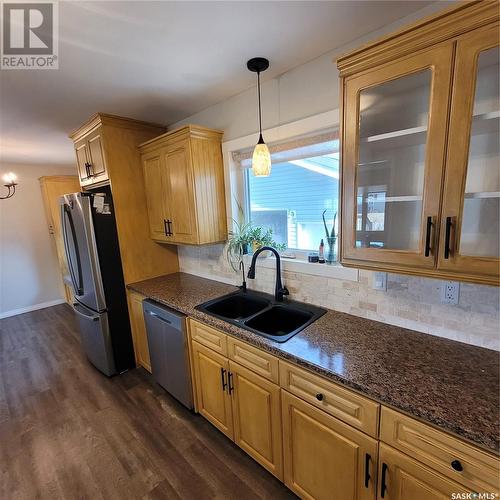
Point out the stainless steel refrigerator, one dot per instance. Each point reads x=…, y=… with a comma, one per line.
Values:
x=94, y=262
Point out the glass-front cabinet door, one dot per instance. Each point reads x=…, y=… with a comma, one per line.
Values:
x=394, y=139
x=470, y=234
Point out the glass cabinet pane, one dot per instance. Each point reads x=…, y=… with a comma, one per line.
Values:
x=480, y=229
x=391, y=162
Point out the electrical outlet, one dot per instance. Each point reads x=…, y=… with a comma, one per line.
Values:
x=450, y=292
x=379, y=281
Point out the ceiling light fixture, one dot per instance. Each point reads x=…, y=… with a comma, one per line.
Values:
x=10, y=184
x=261, y=159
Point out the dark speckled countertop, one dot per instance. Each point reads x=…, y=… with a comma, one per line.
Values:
x=452, y=385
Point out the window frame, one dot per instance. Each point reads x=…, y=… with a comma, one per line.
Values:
x=235, y=187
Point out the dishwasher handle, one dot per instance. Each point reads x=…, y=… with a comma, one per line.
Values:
x=157, y=316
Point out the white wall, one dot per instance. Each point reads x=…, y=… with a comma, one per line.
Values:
x=411, y=302
x=29, y=271
x=307, y=90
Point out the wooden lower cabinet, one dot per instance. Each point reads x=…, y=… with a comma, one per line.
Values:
x=138, y=327
x=211, y=378
x=402, y=478
x=323, y=457
x=257, y=417
x=319, y=452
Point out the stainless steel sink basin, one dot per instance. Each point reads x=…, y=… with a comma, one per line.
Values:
x=261, y=314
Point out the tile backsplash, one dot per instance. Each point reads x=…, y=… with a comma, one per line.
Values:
x=409, y=301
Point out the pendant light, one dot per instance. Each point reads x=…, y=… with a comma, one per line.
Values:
x=261, y=159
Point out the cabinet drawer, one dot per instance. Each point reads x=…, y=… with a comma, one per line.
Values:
x=439, y=450
x=209, y=337
x=347, y=406
x=256, y=360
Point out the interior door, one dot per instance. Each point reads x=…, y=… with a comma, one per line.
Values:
x=470, y=238
x=257, y=417
x=212, y=393
x=323, y=457
x=394, y=136
x=402, y=478
x=153, y=165
x=181, y=204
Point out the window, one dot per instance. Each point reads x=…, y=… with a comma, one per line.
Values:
x=304, y=182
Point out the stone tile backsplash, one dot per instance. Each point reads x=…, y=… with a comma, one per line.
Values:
x=409, y=301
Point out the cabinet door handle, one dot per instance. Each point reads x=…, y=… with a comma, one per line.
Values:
x=447, y=238
x=223, y=378
x=229, y=384
x=170, y=224
x=367, y=469
x=428, y=237
x=383, y=485
x=165, y=227
x=91, y=169
x=87, y=169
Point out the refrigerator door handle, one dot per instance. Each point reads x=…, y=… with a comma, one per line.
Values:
x=93, y=317
x=77, y=284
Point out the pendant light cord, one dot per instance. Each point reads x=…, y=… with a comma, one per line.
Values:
x=261, y=140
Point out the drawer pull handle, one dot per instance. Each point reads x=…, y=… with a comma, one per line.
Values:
x=320, y=396
x=367, y=469
x=223, y=378
x=456, y=465
x=383, y=484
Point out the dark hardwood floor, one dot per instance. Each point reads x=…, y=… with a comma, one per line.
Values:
x=66, y=431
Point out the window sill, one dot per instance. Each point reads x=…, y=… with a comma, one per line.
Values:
x=298, y=266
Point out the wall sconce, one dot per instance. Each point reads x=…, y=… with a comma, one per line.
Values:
x=10, y=184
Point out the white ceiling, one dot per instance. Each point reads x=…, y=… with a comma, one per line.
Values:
x=163, y=61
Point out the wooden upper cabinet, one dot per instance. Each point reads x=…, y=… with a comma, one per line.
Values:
x=180, y=203
x=97, y=165
x=82, y=160
x=185, y=186
x=394, y=145
x=420, y=153
x=470, y=238
x=153, y=178
x=90, y=158
x=107, y=154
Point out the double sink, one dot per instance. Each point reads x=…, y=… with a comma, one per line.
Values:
x=262, y=314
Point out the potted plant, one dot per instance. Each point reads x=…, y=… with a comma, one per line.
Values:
x=261, y=237
x=240, y=238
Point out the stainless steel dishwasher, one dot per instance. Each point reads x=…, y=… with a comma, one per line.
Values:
x=167, y=341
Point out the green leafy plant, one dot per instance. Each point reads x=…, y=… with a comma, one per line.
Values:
x=264, y=238
x=244, y=237
x=240, y=238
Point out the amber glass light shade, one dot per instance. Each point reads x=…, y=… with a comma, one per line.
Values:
x=261, y=160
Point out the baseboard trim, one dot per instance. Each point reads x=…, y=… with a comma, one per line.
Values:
x=22, y=310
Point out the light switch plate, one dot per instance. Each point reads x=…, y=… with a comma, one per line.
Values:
x=379, y=281
x=450, y=292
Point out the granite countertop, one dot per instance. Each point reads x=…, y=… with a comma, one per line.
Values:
x=452, y=385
